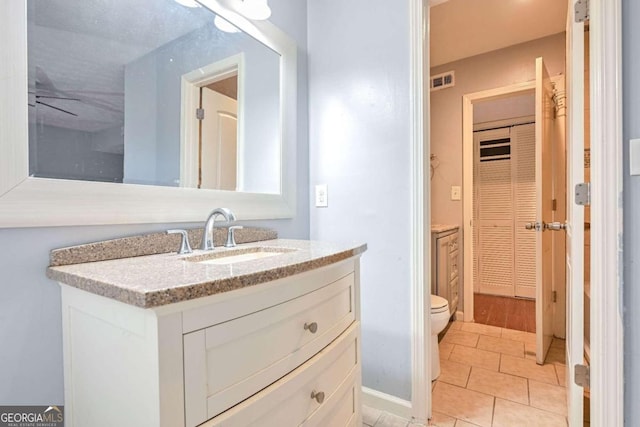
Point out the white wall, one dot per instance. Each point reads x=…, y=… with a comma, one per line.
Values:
x=504, y=108
x=360, y=146
x=74, y=154
x=631, y=299
x=30, y=320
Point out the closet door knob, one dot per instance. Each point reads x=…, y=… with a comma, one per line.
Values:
x=318, y=396
x=311, y=327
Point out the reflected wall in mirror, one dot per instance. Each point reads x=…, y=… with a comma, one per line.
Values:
x=116, y=90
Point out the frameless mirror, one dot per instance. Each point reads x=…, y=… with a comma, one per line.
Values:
x=151, y=92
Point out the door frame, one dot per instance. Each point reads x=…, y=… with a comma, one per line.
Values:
x=467, y=179
x=605, y=71
x=190, y=85
x=606, y=168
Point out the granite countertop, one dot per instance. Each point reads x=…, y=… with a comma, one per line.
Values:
x=439, y=228
x=156, y=280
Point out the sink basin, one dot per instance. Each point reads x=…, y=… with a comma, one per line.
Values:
x=239, y=255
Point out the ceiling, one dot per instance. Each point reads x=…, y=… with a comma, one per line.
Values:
x=463, y=28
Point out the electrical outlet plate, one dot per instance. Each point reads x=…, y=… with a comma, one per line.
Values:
x=322, y=197
x=455, y=192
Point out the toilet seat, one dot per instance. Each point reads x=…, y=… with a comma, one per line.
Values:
x=438, y=304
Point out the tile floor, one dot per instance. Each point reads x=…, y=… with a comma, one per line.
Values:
x=489, y=378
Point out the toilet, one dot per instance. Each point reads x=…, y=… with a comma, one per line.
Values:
x=439, y=319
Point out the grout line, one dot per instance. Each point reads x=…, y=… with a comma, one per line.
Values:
x=493, y=412
x=528, y=393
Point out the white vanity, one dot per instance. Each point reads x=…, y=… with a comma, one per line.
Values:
x=175, y=340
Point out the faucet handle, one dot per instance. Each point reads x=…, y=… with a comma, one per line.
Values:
x=231, y=237
x=185, y=248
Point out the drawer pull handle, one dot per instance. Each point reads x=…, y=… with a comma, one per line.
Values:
x=318, y=396
x=312, y=327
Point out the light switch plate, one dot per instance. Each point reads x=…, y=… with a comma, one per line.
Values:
x=455, y=192
x=322, y=196
x=634, y=157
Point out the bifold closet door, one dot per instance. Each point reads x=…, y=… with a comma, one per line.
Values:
x=504, y=201
x=524, y=195
x=493, y=206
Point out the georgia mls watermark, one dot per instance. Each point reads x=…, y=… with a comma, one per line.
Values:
x=31, y=416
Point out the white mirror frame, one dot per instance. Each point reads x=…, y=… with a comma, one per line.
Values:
x=37, y=202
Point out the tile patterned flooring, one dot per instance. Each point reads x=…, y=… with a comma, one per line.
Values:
x=505, y=312
x=489, y=378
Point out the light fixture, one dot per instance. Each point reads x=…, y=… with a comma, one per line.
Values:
x=258, y=10
x=224, y=25
x=188, y=3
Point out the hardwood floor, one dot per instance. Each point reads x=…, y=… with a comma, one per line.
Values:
x=505, y=312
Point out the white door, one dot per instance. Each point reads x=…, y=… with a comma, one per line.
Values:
x=544, y=212
x=575, y=216
x=219, y=141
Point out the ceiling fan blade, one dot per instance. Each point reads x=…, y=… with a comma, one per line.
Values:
x=56, y=108
x=43, y=80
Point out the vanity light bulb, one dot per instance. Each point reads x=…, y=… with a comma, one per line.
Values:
x=188, y=3
x=257, y=10
x=224, y=25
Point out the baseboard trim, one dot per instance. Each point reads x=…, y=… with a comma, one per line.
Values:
x=386, y=402
x=459, y=316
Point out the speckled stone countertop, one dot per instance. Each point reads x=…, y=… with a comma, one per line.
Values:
x=156, y=280
x=149, y=244
x=439, y=228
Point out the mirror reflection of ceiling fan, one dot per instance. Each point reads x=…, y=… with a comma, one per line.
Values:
x=46, y=93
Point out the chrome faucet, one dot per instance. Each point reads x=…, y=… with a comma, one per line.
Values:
x=207, y=235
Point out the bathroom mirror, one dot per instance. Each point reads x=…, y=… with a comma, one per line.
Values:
x=104, y=113
x=109, y=96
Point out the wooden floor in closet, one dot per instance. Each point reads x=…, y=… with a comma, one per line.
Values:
x=505, y=312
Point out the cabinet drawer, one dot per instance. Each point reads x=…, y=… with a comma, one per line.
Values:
x=226, y=363
x=341, y=410
x=288, y=402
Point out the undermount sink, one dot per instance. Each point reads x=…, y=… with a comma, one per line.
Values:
x=239, y=255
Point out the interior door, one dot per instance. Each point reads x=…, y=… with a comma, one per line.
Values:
x=575, y=215
x=544, y=213
x=219, y=141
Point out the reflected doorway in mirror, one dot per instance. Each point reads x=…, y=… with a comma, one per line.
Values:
x=218, y=135
x=211, y=126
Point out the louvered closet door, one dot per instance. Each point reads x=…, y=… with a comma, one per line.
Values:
x=493, y=228
x=504, y=260
x=524, y=194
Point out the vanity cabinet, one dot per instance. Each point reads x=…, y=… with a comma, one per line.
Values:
x=281, y=353
x=445, y=255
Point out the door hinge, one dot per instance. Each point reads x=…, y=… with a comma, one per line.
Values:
x=554, y=205
x=581, y=10
x=582, y=375
x=554, y=296
x=200, y=113
x=583, y=194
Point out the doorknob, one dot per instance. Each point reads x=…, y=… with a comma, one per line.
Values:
x=536, y=226
x=555, y=226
